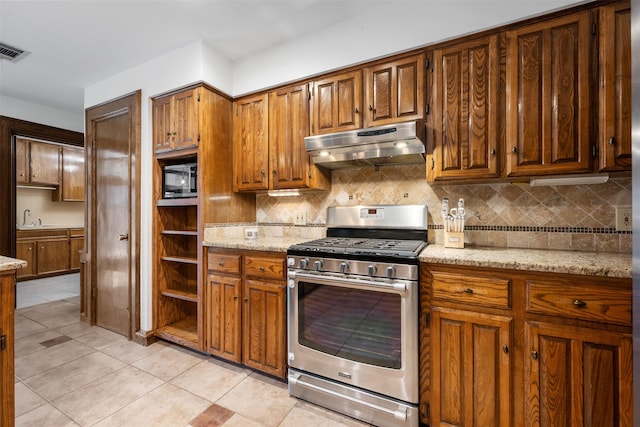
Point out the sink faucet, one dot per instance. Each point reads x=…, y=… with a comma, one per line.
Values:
x=24, y=216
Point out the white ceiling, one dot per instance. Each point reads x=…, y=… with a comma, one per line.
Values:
x=75, y=44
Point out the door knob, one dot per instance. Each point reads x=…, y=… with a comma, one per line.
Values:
x=123, y=237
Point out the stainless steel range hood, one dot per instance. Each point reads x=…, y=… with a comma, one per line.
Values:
x=401, y=143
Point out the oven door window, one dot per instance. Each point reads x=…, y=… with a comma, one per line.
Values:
x=355, y=324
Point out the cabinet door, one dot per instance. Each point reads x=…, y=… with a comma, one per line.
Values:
x=577, y=377
x=26, y=251
x=464, y=117
x=72, y=175
x=548, y=105
x=223, y=316
x=22, y=161
x=336, y=103
x=162, y=132
x=53, y=256
x=614, y=139
x=7, y=366
x=251, y=143
x=288, y=125
x=395, y=91
x=264, y=329
x=186, y=129
x=471, y=369
x=45, y=167
x=76, y=244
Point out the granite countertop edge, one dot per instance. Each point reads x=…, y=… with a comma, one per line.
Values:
x=604, y=264
x=7, y=263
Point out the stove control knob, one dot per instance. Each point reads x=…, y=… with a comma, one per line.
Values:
x=372, y=269
x=317, y=265
x=344, y=267
x=291, y=262
x=304, y=263
x=390, y=271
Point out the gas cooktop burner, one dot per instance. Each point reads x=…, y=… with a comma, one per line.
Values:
x=360, y=246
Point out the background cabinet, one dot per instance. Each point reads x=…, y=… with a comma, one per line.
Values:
x=72, y=173
x=336, y=103
x=49, y=251
x=549, y=85
x=394, y=91
x=37, y=162
x=464, y=118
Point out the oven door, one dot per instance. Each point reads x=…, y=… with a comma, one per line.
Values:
x=360, y=332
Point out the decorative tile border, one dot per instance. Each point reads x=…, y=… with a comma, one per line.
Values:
x=533, y=229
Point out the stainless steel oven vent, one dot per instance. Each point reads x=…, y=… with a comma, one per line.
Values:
x=11, y=53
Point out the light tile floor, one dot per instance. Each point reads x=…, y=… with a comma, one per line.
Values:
x=70, y=374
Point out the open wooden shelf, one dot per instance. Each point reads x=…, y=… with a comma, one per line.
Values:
x=187, y=201
x=183, y=332
x=180, y=232
x=185, y=296
x=180, y=259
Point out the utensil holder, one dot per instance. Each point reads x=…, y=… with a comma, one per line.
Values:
x=454, y=239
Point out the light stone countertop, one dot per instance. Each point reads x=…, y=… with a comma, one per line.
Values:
x=7, y=263
x=270, y=244
x=605, y=264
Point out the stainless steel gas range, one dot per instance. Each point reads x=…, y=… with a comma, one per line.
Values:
x=353, y=313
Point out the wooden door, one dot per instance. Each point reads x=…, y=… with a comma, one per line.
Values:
x=288, y=125
x=162, y=131
x=251, y=143
x=45, y=163
x=27, y=251
x=577, y=377
x=471, y=369
x=224, y=319
x=336, y=103
x=465, y=110
x=548, y=97
x=53, y=255
x=614, y=139
x=113, y=141
x=22, y=161
x=263, y=327
x=186, y=129
x=395, y=91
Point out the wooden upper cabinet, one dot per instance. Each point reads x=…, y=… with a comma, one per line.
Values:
x=251, y=143
x=614, y=139
x=37, y=162
x=176, y=120
x=548, y=97
x=464, y=117
x=394, y=91
x=71, y=187
x=336, y=103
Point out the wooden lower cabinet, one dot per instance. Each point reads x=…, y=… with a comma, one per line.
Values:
x=7, y=367
x=246, y=308
x=471, y=368
x=577, y=376
x=49, y=251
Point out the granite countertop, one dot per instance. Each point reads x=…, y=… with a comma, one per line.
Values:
x=270, y=244
x=46, y=227
x=605, y=264
x=7, y=263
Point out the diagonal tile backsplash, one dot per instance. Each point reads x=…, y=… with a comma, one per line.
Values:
x=577, y=217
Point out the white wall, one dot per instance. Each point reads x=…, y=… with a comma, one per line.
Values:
x=20, y=109
x=406, y=25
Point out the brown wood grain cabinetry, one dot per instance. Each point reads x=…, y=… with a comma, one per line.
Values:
x=464, y=116
x=251, y=143
x=336, y=103
x=177, y=120
x=202, y=120
x=394, y=91
x=72, y=174
x=505, y=347
x=49, y=251
x=37, y=162
x=291, y=166
x=246, y=308
x=549, y=86
x=7, y=351
x=614, y=138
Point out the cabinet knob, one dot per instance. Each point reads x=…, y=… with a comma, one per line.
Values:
x=579, y=303
x=468, y=291
x=370, y=108
x=505, y=349
x=29, y=248
x=357, y=111
x=246, y=299
x=534, y=355
x=42, y=248
x=612, y=141
x=262, y=269
x=235, y=297
x=493, y=151
x=514, y=150
x=221, y=263
x=168, y=133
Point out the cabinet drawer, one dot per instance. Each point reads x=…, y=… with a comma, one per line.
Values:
x=268, y=268
x=484, y=291
x=224, y=263
x=586, y=302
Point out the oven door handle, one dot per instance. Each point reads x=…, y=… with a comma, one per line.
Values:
x=400, y=414
x=354, y=283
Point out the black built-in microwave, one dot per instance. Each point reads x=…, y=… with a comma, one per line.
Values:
x=180, y=180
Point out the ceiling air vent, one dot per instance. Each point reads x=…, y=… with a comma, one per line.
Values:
x=11, y=53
